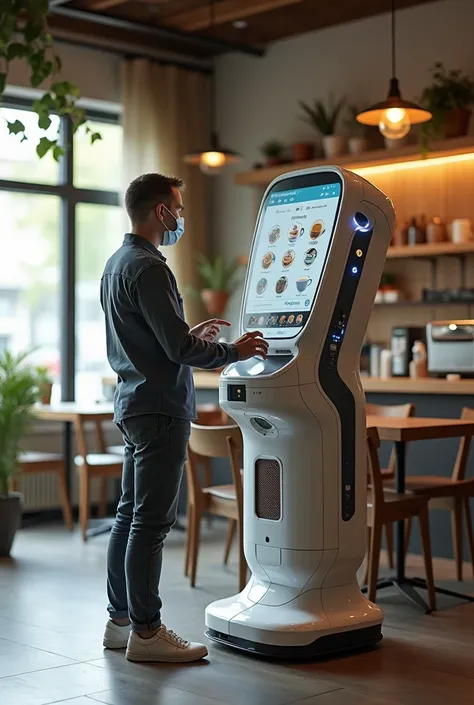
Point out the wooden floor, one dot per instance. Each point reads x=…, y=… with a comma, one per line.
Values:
x=52, y=617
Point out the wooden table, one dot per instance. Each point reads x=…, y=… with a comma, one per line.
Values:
x=67, y=412
x=400, y=431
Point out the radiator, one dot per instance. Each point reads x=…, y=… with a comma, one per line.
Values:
x=40, y=492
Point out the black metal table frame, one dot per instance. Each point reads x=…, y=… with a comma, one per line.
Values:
x=406, y=586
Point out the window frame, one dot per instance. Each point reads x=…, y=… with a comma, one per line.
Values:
x=70, y=196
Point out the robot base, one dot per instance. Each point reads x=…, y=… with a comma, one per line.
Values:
x=265, y=621
x=328, y=645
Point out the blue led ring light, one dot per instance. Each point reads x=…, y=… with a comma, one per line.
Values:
x=361, y=222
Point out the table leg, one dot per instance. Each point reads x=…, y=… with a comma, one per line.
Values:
x=400, y=452
x=68, y=453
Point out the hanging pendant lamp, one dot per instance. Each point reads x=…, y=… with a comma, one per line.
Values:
x=394, y=116
x=214, y=157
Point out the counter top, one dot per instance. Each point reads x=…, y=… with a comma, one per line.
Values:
x=393, y=385
x=402, y=385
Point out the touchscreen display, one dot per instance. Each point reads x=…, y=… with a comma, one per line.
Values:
x=290, y=251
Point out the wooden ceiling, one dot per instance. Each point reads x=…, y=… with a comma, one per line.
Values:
x=243, y=22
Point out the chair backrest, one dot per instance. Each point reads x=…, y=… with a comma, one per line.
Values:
x=211, y=415
x=206, y=442
x=394, y=410
x=374, y=472
x=460, y=466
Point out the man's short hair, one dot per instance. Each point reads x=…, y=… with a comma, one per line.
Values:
x=146, y=191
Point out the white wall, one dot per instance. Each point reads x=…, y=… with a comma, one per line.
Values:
x=258, y=98
x=97, y=73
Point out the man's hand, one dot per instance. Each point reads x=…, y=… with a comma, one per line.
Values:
x=251, y=345
x=209, y=330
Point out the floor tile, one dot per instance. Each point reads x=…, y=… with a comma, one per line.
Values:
x=16, y=659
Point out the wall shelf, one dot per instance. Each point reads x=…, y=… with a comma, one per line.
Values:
x=409, y=153
x=431, y=304
x=440, y=249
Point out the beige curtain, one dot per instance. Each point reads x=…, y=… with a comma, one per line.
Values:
x=165, y=115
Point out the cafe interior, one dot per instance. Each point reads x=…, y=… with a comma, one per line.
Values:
x=231, y=95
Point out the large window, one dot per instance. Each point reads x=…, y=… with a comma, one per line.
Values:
x=58, y=225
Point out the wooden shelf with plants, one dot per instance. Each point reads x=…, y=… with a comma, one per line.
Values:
x=382, y=157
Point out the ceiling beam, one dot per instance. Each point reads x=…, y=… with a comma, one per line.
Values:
x=225, y=11
x=211, y=44
x=107, y=4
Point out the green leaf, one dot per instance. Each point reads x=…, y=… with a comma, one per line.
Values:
x=95, y=136
x=36, y=79
x=57, y=152
x=14, y=128
x=33, y=29
x=3, y=82
x=44, y=121
x=64, y=88
x=43, y=146
x=16, y=51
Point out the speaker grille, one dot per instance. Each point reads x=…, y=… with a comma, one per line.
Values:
x=267, y=489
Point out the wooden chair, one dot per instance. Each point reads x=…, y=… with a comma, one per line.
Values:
x=99, y=465
x=452, y=495
x=400, y=411
x=36, y=462
x=205, y=443
x=386, y=507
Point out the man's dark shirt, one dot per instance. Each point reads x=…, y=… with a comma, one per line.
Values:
x=149, y=345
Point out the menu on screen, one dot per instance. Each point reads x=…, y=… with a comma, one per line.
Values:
x=290, y=251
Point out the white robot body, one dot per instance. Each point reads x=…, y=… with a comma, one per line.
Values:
x=302, y=416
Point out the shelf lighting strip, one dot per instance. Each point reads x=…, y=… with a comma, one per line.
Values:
x=415, y=164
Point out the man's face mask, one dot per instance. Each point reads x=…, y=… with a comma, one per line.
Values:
x=171, y=237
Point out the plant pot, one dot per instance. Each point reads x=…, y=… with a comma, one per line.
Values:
x=357, y=145
x=391, y=294
x=457, y=123
x=10, y=516
x=302, y=151
x=46, y=390
x=273, y=161
x=215, y=301
x=334, y=146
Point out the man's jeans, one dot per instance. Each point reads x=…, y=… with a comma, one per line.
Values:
x=155, y=453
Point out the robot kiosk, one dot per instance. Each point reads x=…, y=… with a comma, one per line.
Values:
x=317, y=257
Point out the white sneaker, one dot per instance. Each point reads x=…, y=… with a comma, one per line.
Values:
x=164, y=646
x=116, y=637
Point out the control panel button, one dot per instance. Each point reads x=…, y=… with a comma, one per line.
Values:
x=236, y=392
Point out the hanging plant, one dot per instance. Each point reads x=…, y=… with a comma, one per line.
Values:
x=24, y=36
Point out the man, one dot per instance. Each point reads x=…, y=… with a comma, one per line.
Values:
x=152, y=350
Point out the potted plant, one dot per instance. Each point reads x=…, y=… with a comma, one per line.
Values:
x=45, y=384
x=272, y=150
x=19, y=391
x=449, y=98
x=358, y=141
x=219, y=282
x=324, y=120
x=302, y=151
x=389, y=288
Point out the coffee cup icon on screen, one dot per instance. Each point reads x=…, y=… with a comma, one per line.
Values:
x=302, y=283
